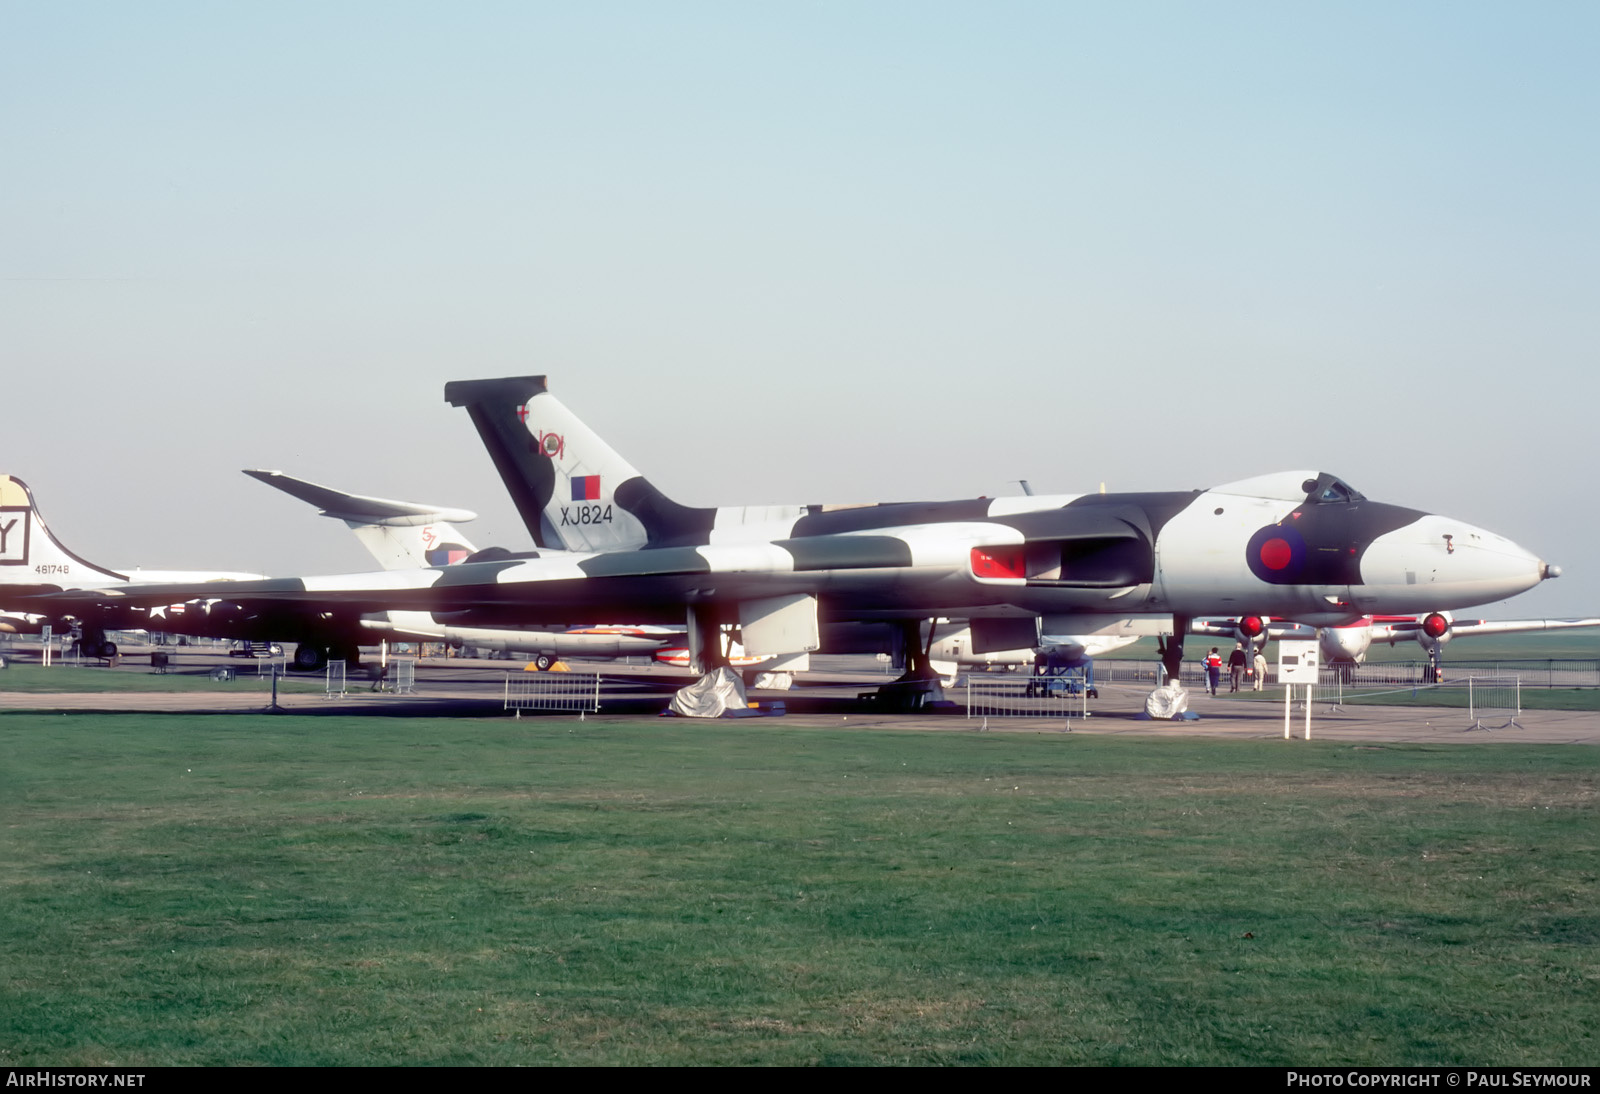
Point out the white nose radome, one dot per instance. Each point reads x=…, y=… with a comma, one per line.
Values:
x=1440, y=563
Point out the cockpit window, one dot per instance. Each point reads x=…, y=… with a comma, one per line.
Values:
x=1327, y=489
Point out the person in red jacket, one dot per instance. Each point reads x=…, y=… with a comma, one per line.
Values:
x=1213, y=670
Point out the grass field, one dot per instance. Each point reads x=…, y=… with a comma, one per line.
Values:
x=23, y=677
x=1581, y=643
x=219, y=890
x=1448, y=696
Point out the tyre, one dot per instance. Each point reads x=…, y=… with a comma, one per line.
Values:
x=309, y=658
x=543, y=662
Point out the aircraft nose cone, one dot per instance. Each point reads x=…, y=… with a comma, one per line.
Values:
x=1547, y=570
x=1443, y=563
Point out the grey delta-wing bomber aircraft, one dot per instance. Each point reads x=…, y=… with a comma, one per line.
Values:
x=1305, y=541
x=1301, y=545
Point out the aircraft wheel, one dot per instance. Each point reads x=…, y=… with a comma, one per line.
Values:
x=543, y=662
x=309, y=658
x=108, y=650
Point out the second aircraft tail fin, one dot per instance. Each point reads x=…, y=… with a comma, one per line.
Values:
x=572, y=489
x=399, y=534
x=31, y=556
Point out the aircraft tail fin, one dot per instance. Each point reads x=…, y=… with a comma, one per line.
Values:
x=30, y=555
x=572, y=489
x=399, y=534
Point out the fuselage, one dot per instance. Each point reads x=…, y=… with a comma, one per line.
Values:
x=1297, y=545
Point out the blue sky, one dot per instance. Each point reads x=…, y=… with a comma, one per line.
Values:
x=811, y=252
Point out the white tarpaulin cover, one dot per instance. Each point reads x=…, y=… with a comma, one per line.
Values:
x=1167, y=701
x=710, y=695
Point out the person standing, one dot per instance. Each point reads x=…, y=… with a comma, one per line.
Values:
x=1213, y=670
x=1261, y=670
x=1236, y=661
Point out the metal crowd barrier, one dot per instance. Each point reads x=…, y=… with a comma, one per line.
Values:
x=336, y=678
x=1494, y=697
x=1026, y=697
x=1533, y=672
x=570, y=691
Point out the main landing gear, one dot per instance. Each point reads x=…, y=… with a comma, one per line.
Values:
x=314, y=657
x=91, y=642
x=920, y=685
x=1170, y=700
x=719, y=688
